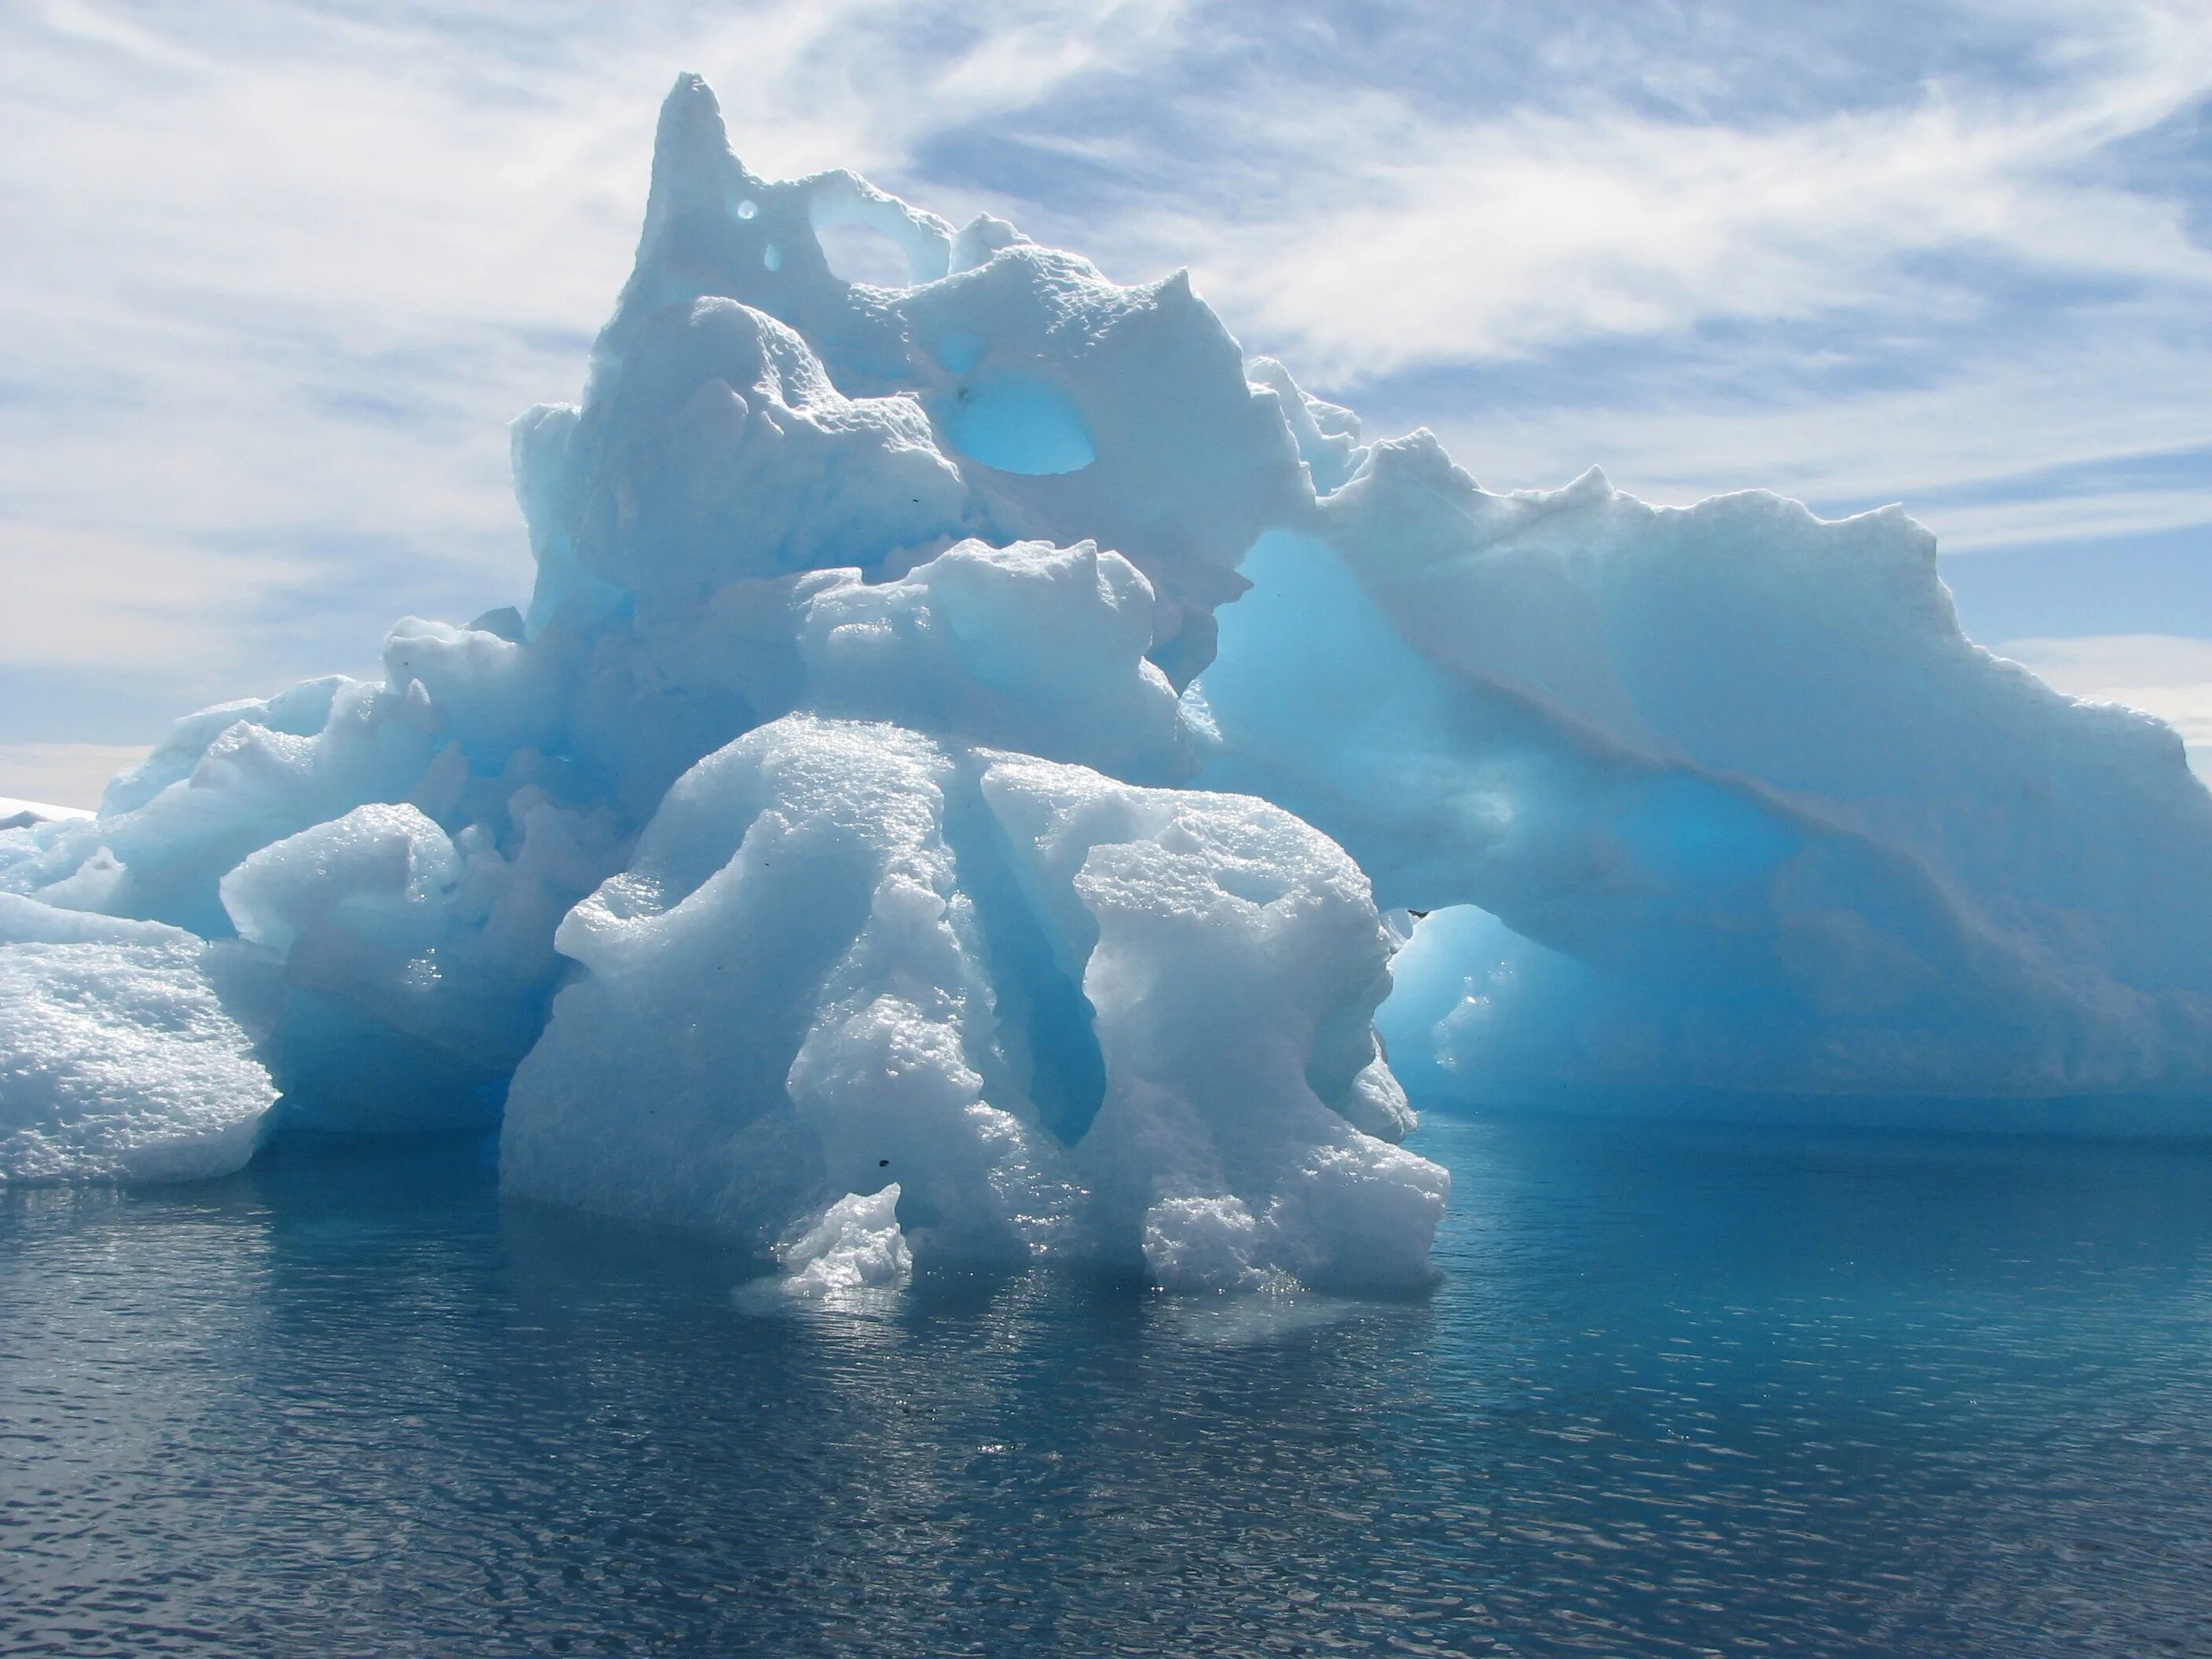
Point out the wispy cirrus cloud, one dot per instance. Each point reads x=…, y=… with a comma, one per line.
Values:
x=1501, y=235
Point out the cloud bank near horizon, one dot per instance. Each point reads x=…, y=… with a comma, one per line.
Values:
x=278, y=275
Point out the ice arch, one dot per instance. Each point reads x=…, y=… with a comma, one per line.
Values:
x=1747, y=815
x=1018, y=423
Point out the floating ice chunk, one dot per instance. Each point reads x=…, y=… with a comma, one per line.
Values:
x=859, y=614
x=118, y=1060
x=855, y=1246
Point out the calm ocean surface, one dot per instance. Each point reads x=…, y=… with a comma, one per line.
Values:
x=1677, y=1391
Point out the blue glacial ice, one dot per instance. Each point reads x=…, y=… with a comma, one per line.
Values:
x=974, y=749
x=1717, y=806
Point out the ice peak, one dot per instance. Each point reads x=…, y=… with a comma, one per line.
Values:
x=691, y=157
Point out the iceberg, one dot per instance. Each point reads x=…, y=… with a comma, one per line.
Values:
x=985, y=766
x=856, y=1246
x=1071, y=1017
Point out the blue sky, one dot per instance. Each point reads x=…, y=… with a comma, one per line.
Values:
x=273, y=277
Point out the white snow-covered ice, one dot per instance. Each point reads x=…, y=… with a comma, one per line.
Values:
x=941, y=801
x=117, y=1058
x=1070, y=1017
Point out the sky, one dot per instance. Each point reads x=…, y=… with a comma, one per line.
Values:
x=273, y=277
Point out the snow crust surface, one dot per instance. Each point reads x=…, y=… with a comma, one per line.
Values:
x=933, y=804
x=118, y=1060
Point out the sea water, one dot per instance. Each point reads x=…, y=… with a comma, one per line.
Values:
x=1677, y=1391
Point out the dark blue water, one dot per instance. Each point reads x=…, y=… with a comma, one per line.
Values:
x=1678, y=1392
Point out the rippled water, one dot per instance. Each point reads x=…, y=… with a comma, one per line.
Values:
x=1677, y=1392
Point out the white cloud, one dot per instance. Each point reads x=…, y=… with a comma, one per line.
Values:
x=2102, y=397
x=61, y=774
x=1496, y=236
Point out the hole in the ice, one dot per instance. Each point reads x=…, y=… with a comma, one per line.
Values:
x=1255, y=884
x=1020, y=424
x=862, y=253
x=772, y=256
x=747, y=209
x=1445, y=982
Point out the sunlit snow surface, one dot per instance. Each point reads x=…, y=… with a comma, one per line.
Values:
x=965, y=735
x=1896, y=1398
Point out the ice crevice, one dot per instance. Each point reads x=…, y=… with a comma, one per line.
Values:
x=938, y=805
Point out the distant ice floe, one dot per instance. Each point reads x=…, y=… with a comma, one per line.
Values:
x=22, y=814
